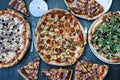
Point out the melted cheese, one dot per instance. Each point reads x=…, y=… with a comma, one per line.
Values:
x=11, y=29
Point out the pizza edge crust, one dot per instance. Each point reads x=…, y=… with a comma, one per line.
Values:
x=54, y=62
x=28, y=37
x=105, y=72
x=19, y=71
x=83, y=16
x=90, y=33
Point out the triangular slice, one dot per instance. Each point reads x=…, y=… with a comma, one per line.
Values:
x=31, y=70
x=58, y=74
x=90, y=71
x=88, y=9
x=19, y=5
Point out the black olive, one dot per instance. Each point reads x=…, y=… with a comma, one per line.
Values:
x=6, y=24
x=3, y=47
x=2, y=56
x=1, y=28
x=7, y=29
x=14, y=26
x=17, y=42
x=2, y=20
x=2, y=38
x=18, y=38
x=2, y=33
x=11, y=33
x=12, y=38
x=16, y=51
x=3, y=24
x=98, y=50
x=6, y=34
x=18, y=30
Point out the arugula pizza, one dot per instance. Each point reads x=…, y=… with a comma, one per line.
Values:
x=88, y=9
x=14, y=37
x=90, y=71
x=104, y=37
x=59, y=38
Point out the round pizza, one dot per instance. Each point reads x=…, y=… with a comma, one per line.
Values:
x=14, y=37
x=59, y=39
x=104, y=37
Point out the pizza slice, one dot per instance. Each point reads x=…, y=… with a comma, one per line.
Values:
x=58, y=74
x=31, y=70
x=88, y=9
x=90, y=71
x=19, y=5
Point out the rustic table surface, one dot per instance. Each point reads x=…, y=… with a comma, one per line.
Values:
x=12, y=74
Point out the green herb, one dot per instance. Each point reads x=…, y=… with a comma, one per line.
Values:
x=107, y=37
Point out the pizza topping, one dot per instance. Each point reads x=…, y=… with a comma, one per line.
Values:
x=10, y=39
x=58, y=41
x=106, y=38
x=94, y=9
x=59, y=74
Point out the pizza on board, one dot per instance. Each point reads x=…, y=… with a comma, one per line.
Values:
x=31, y=70
x=104, y=37
x=14, y=37
x=58, y=74
x=88, y=9
x=19, y=5
x=59, y=38
x=90, y=71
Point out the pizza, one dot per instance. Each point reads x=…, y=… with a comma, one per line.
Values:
x=90, y=71
x=59, y=38
x=14, y=37
x=19, y=5
x=57, y=74
x=104, y=37
x=88, y=9
x=31, y=70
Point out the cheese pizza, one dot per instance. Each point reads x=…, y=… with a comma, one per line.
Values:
x=14, y=37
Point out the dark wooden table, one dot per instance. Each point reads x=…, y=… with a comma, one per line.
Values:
x=12, y=74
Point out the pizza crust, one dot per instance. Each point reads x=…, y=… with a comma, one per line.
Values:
x=18, y=57
x=22, y=75
x=54, y=62
x=92, y=29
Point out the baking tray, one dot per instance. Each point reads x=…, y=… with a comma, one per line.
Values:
x=11, y=72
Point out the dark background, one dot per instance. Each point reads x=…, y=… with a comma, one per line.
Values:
x=11, y=72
